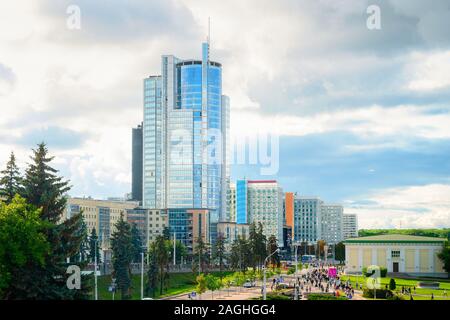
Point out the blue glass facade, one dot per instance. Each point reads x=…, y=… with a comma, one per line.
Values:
x=241, y=202
x=184, y=154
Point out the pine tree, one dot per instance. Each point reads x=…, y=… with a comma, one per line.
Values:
x=271, y=247
x=94, y=248
x=219, y=252
x=201, y=253
x=162, y=258
x=122, y=249
x=10, y=181
x=152, y=273
x=136, y=241
x=44, y=189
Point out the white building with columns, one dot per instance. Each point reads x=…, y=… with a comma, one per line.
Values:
x=412, y=255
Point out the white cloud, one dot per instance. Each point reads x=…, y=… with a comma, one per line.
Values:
x=425, y=206
x=429, y=71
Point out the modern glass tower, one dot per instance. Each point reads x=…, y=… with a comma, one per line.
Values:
x=186, y=123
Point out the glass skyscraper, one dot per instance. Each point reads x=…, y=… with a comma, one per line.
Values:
x=186, y=123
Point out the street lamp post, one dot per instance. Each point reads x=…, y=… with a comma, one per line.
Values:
x=265, y=263
x=95, y=271
x=142, y=274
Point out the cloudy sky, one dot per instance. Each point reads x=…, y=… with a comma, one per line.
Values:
x=363, y=115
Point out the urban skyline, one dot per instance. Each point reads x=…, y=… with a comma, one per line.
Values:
x=334, y=140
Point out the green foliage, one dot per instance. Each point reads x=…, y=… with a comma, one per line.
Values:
x=201, y=283
x=276, y=296
x=10, y=181
x=212, y=283
x=219, y=251
x=271, y=247
x=444, y=255
x=161, y=252
x=44, y=189
x=23, y=244
x=122, y=249
x=94, y=247
x=340, y=252
x=380, y=293
x=201, y=253
x=383, y=272
x=240, y=256
x=136, y=243
x=392, y=284
x=441, y=233
x=258, y=245
x=318, y=296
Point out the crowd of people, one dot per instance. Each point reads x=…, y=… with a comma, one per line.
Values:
x=318, y=277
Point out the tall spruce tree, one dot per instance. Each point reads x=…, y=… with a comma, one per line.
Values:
x=94, y=247
x=219, y=252
x=136, y=241
x=272, y=245
x=44, y=189
x=122, y=249
x=10, y=180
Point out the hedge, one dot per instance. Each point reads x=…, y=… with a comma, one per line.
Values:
x=383, y=272
x=318, y=296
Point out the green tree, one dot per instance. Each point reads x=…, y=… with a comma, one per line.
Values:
x=392, y=284
x=444, y=255
x=180, y=251
x=83, y=252
x=152, y=273
x=339, y=251
x=94, y=247
x=258, y=249
x=10, y=180
x=23, y=245
x=44, y=189
x=136, y=241
x=240, y=256
x=162, y=258
x=201, y=284
x=211, y=284
x=201, y=253
x=122, y=256
x=272, y=245
x=219, y=252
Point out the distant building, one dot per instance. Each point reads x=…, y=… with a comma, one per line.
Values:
x=332, y=223
x=137, y=164
x=413, y=255
x=265, y=206
x=307, y=219
x=188, y=225
x=232, y=231
x=101, y=215
x=241, y=202
x=349, y=226
x=231, y=203
x=185, y=135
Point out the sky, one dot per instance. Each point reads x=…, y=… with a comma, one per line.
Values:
x=362, y=116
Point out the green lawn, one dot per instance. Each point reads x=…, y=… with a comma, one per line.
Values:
x=420, y=294
x=178, y=283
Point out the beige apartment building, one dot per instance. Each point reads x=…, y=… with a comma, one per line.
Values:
x=413, y=255
x=100, y=214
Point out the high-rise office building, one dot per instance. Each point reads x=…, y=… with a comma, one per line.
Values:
x=332, y=219
x=307, y=219
x=260, y=201
x=350, y=226
x=186, y=121
x=136, y=164
x=231, y=203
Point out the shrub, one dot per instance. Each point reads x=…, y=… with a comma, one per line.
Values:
x=318, y=296
x=381, y=293
x=392, y=284
x=383, y=272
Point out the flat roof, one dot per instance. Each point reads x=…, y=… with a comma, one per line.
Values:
x=395, y=238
